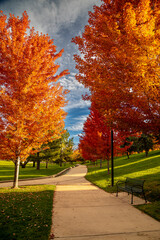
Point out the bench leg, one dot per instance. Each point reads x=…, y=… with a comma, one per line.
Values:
x=132, y=198
x=117, y=193
x=144, y=197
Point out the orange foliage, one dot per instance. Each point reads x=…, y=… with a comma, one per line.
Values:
x=119, y=62
x=30, y=99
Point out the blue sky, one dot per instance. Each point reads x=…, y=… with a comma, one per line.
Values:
x=62, y=20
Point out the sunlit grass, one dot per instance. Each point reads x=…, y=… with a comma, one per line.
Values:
x=138, y=166
x=7, y=170
x=26, y=213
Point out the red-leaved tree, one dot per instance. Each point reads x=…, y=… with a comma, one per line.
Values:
x=95, y=141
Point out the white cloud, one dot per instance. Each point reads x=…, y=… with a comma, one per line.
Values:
x=78, y=124
x=76, y=127
x=81, y=118
x=75, y=135
x=78, y=104
x=76, y=91
x=71, y=83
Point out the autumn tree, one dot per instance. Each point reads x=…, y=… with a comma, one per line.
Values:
x=77, y=156
x=95, y=141
x=119, y=62
x=31, y=100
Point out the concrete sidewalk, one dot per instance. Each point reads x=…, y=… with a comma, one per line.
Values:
x=82, y=211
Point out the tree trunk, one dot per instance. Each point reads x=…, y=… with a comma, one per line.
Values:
x=47, y=164
x=38, y=161
x=16, y=173
x=146, y=153
x=23, y=165
x=34, y=163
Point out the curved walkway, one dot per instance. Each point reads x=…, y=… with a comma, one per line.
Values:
x=82, y=211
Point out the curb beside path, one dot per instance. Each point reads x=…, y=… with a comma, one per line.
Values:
x=39, y=178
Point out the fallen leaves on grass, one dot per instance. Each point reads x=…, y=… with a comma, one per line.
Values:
x=26, y=208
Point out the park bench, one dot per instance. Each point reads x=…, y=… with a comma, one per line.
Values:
x=131, y=185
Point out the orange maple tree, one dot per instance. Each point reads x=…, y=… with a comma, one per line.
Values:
x=31, y=100
x=119, y=62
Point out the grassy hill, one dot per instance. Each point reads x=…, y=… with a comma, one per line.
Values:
x=137, y=166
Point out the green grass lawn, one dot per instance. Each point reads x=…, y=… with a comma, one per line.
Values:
x=26, y=213
x=138, y=166
x=7, y=170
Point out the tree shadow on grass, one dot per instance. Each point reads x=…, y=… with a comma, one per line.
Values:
x=138, y=168
x=25, y=215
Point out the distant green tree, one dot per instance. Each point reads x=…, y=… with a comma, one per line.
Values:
x=145, y=143
x=138, y=144
x=59, y=150
x=66, y=148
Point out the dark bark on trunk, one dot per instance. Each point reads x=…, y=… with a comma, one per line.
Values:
x=34, y=163
x=46, y=164
x=38, y=161
x=16, y=173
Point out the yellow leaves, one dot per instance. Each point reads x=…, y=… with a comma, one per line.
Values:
x=140, y=22
x=130, y=17
x=143, y=11
x=147, y=29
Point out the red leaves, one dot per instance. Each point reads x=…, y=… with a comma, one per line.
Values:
x=95, y=141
